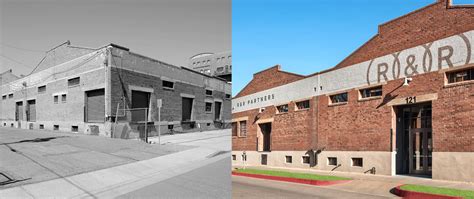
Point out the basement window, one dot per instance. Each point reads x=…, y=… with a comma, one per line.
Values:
x=55, y=127
x=74, y=82
x=4, y=97
x=10, y=96
x=208, y=107
x=305, y=159
x=338, y=98
x=208, y=92
x=42, y=89
x=282, y=108
x=56, y=99
x=289, y=159
x=371, y=92
x=74, y=128
x=168, y=85
x=302, y=105
x=332, y=161
x=63, y=98
x=460, y=76
x=41, y=126
x=264, y=159
x=243, y=129
x=234, y=157
x=357, y=162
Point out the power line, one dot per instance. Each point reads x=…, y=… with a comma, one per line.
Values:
x=19, y=48
x=18, y=62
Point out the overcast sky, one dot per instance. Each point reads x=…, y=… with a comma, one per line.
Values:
x=167, y=30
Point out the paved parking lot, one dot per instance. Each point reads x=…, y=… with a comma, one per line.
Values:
x=31, y=156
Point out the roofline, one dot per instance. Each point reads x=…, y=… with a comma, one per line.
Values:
x=209, y=53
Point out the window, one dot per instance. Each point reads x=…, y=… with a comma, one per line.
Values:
x=264, y=158
x=460, y=76
x=219, y=69
x=243, y=129
x=168, y=84
x=305, y=159
x=371, y=92
x=4, y=97
x=338, y=98
x=55, y=127
x=10, y=96
x=63, y=98
x=282, y=108
x=234, y=128
x=302, y=105
x=74, y=128
x=357, y=162
x=41, y=126
x=73, y=82
x=42, y=89
x=56, y=99
x=208, y=92
x=208, y=107
x=288, y=159
x=332, y=161
x=234, y=157
x=227, y=96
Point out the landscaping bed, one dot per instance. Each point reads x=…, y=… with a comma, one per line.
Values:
x=422, y=191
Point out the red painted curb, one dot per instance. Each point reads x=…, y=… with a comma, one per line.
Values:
x=295, y=180
x=419, y=195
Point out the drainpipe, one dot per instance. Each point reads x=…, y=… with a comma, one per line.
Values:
x=107, y=92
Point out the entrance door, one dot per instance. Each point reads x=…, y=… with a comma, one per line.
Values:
x=186, y=108
x=217, y=111
x=140, y=102
x=266, y=129
x=414, y=140
x=19, y=111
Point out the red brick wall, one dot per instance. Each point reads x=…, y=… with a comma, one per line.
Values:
x=428, y=24
x=267, y=79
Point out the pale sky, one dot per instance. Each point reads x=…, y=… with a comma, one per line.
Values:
x=167, y=30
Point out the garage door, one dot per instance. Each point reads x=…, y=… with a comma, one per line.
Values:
x=95, y=106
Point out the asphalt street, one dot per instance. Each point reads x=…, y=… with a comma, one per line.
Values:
x=249, y=188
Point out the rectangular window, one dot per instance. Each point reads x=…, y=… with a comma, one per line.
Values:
x=55, y=127
x=338, y=98
x=264, y=158
x=10, y=96
x=305, y=159
x=42, y=89
x=73, y=82
x=302, y=105
x=234, y=128
x=460, y=76
x=208, y=92
x=208, y=107
x=332, y=161
x=56, y=99
x=63, y=98
x=41, y=126
x=288, y=159
x=168, y=84
x=371, y=92
x=4, y=97
x=282, y=108
x=227, y=96
x=234, y=157
x=243, y=129
x=74, y=128
x=357, y=162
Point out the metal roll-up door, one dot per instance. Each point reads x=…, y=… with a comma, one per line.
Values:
x=32, y=110
x=95, y=106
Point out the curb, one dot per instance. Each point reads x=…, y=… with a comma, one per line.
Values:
x=294, y=180
x=419, y=195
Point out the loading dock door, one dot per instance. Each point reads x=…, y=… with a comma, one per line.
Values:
x=31, y=111
x=217, y=110
x=19, y=111
x=187, y=108
x=140, y=101
x=95, y=106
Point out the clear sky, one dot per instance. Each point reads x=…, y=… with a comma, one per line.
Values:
x=305, y=36
x=167, y=30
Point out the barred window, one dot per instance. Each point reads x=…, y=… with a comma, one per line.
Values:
x=338, y=98
x=460, y=76
x=282, y=108
x=168, y=84
x=371, y=92
x=73, y=82
x=243, y=128
x=302, y=105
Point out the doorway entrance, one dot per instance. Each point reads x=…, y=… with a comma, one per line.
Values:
x=266, y=129
x=414, y=142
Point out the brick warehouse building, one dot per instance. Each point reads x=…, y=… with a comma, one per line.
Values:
x=402, y=103
x=92, y=91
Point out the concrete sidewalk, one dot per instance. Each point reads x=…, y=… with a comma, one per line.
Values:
x=377, y=184
x=119, y=180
